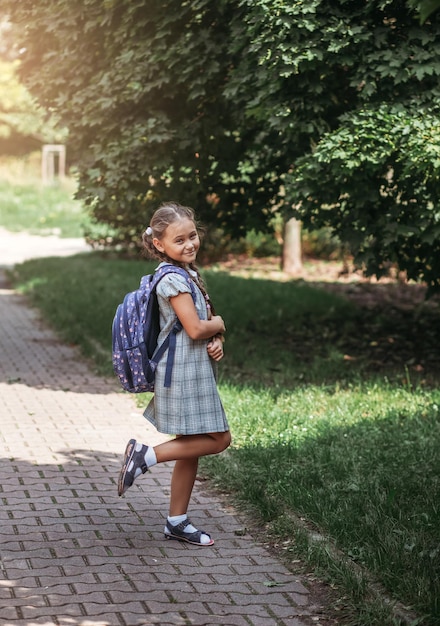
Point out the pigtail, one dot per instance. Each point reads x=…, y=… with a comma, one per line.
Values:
x=202, y=287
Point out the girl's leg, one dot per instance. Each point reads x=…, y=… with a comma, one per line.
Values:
x=192, y=446
x=178, y=526
x=184, y=474
x=182, y=483
x=138, y=457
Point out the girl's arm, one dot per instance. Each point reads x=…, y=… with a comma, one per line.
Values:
x=196, y=328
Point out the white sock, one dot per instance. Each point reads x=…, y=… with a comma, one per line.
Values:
x=150, y=456
x=176, y=519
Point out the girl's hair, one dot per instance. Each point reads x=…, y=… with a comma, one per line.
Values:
x=166, y=214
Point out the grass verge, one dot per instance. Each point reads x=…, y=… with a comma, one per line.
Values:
x=42, y=210
x=349, y=447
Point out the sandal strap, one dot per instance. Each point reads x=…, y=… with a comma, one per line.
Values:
x=182, y=525
x=179, y=531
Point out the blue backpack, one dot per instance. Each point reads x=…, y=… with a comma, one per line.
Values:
x=135, y=332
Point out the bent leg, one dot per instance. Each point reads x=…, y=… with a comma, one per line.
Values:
x=192, y=446
x=138, y=458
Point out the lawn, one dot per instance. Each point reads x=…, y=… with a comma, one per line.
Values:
x=42, y=210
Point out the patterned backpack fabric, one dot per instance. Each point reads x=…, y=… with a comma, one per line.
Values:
x=135, y=332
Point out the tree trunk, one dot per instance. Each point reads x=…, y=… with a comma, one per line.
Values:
x=292, y=255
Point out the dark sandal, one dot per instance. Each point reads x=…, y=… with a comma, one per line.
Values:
x=132, y=461
x=178, y=532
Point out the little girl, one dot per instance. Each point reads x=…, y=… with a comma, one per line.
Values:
x=191, y=408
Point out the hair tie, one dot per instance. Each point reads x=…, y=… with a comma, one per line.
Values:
x=149, y=231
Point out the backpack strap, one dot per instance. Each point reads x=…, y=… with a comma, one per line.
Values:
x=169, y=342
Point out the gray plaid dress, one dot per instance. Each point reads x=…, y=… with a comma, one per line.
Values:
x=192, y=404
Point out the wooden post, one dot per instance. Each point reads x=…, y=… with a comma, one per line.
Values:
x=292, y=252
x=48, y=169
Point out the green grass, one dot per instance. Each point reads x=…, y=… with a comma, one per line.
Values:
x=362, y=463
x=347, y=448
x=41, y=210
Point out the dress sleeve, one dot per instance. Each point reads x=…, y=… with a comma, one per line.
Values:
x=171, y=285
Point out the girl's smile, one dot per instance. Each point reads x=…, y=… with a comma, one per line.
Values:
x=180, y=241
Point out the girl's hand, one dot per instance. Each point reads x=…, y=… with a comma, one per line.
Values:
x=215, y=348
x=219, y=320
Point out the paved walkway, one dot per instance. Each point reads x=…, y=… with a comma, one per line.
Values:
x=72, y=552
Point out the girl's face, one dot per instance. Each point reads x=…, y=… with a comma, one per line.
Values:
x=180, y=241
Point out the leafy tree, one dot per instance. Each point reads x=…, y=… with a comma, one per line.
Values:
x=379, y=189
x=425, y=7
x=352, y=88
x=225, y=105
x=139, y=85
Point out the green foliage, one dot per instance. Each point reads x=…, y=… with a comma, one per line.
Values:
x=140, y=90
x=425, y=8
x=352, y=92
x=375, y=180
x=257, y=244
x=316, y=62
x=216, y=104
x=321, y=244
